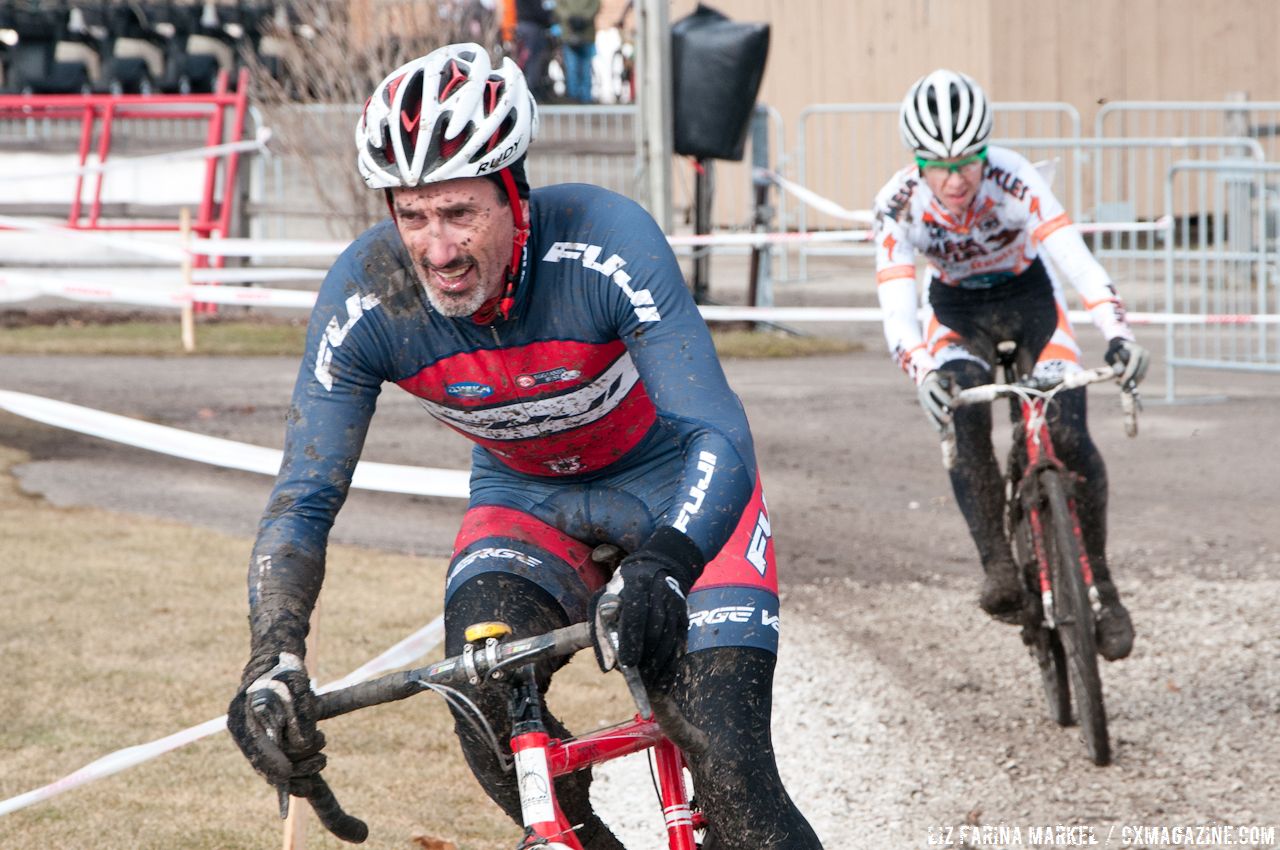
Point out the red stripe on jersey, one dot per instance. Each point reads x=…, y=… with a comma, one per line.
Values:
x=495, y=521
x=749, y=548
x=504, y=380
x=536, y=370
x=584, y=449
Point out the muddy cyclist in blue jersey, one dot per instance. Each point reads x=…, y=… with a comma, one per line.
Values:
x=553, y=329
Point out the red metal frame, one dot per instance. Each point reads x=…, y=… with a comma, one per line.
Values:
x=563, y=756
x=100, y=112
x=94, y=111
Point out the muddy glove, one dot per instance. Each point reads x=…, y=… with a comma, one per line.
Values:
x=271, y=719
x=935, y=392
x=652, y=584
x=1134, y=357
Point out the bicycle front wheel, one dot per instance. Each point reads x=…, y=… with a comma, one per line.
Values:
x=1043, y=642
x=1073, y=615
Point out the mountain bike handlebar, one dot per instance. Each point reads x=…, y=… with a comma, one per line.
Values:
x=1028, y=390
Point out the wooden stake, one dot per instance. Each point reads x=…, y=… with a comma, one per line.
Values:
x=188, y=307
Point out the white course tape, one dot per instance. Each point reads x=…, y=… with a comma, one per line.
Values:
x=1162, y=224
x=770, y=238
x=831, y=208
x=23, y=287
x=137, y=246
x=385, y=477
x=20, y=286
x=403, y=653
x=267, y=248
x=256, y=145
x=253, y=275
x=813, y=199
x=874, y=314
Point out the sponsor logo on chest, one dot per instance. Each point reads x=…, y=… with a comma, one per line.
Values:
x=557, y=375
x=469, y=389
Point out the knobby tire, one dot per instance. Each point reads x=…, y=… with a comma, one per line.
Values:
x=1073, y=615
x=1043, y=642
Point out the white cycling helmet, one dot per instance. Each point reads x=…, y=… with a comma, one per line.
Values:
x=445, y=115
x=945, y=115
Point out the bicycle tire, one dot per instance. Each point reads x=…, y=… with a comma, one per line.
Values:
x=1041, y=642
x=1054, y=675
x=1073, y=615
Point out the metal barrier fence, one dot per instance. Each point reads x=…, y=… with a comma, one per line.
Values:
x=68, y=156
x=584, y=144
x=1221, y=261
x=1258, y=120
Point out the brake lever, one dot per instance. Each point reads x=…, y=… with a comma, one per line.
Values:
x=266, y=706
x=607, y=613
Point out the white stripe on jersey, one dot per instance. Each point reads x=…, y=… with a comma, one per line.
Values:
x=518, y=420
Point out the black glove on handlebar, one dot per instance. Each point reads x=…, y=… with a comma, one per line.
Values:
x=1134, y=358
x=271, y=719
x=652, y=585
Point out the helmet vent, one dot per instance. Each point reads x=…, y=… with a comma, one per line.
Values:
x=411, y=109
x=454, y=76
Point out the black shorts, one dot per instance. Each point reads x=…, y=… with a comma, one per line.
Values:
x=966, y=324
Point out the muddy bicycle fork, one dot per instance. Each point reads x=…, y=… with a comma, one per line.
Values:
x=1038, y=455
x=539, y=759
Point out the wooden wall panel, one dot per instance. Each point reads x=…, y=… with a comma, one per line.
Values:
x=1082, y=52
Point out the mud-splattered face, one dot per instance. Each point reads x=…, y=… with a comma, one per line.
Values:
x=955, y=182
x=459, y=234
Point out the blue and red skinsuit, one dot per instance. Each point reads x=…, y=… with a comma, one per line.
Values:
x=598, y=407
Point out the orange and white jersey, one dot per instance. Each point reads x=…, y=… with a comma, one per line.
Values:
x=1014, y=218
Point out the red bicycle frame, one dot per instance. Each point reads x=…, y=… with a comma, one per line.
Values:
x=1040, y=453
x=540, y=758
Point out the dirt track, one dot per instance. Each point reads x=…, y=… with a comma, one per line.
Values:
x=901, y=711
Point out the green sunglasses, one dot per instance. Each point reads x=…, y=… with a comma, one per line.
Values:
x=952, y=166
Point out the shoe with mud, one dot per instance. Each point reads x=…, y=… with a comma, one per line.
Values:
x=1002, y=592
x=1113, y=630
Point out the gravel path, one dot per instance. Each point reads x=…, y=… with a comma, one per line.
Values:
x=901, y=713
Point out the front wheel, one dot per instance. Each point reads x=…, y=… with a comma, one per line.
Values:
x=1042, y=641
x=1073, y=615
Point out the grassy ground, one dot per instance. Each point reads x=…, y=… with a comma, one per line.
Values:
x=118, y=630
x=96, y=333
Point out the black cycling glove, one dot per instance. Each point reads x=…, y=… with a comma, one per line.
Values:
x=652, y=584
x=272, y=719
x=1134, y=357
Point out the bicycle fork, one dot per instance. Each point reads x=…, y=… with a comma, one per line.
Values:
x=1039, y=454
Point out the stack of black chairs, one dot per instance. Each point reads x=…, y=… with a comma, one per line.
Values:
x=132, y=46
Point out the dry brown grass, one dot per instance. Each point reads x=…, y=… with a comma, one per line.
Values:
x=119, y=630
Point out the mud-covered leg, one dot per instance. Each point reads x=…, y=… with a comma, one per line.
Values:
x=728, y=692
x=528, y=610
x=1076, y=449
x=979, y=490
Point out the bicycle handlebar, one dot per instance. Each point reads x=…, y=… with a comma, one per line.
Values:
x=475, y=665
x=471, y=666
x=991, y=392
